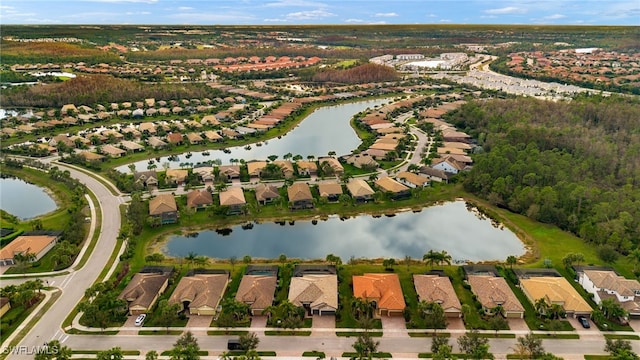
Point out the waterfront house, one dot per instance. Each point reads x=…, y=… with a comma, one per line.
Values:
x=438, y=289
x=142, y=292
x=200, y=293
x=165, y=208
x=382, y=290
x=234, y=199
x=266, y=193
x=199, y=199
x=360, y=190
x=299, y=196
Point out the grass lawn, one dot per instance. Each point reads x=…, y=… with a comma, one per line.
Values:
x=14, y=317
x=621, y=337
x=379, y=355
x=315, y=354
x=287, y=333
x=356, y=333
x=557, y=336
x=429, y=334
x=159, y=332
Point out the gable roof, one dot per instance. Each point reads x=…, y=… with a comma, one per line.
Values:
x=384, y=288
x=412, y=178
x=320, y=291
x=257, y=290
x=177, y=175
x=608, y=279
x=23, y=244
x=493, y=291
x=233, y=196
x=161, y=204
x=388, y=184
x=143, y=289
x=299, y=191
x=201, y=290
x=556, y=290
x=196, y=198
x=434, y=288
x=328, y=189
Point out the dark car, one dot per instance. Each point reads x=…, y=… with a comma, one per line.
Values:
x=584, y=322
x=233, y=344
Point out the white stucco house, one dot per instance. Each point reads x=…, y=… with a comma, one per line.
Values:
x=607, y=284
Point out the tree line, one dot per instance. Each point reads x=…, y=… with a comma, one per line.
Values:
x=357, y=75
x=573, y=164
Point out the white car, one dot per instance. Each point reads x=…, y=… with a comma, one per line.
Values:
x=140, y=319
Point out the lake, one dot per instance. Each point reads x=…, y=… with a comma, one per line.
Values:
x=465, y=234
x=326, y=129
x=23, y=199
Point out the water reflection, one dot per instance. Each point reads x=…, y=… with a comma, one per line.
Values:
x=326, y=129
x=450, y=226
x=23, y=199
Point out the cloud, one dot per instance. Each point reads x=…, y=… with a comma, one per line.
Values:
x=274, y=20
x=445, y=20
x=125, y=1
x=506, y=10
x=432, y=15
x=309, y=15
x=555, y=17
x=196, y=17
x=381, y=22
x=391, y=14
x=354, y=21
x=292, y=3
x=184, y=8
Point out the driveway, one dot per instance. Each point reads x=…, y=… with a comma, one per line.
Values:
x=635, y=325
x=130, y=323
x=394, y=326
x=518, y=324
x=258, y=322
x=199, y=321
x=455, y=324
x=323, y=325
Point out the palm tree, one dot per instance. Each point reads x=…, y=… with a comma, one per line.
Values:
x=511, y=260
x=541, y=306
x=445, y=258
x=635, y=257
x=431, y=257
x=191, y=257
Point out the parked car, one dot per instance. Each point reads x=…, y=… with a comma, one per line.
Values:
x=140, y=319
x=584, y=322
x=233, y=344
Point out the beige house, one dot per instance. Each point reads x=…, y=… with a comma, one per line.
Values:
x=234, y=199
x=194, y=138
x=331, y=166
x=112, y=151
x=300, y=196
x=199, y=199
x=412, y=180
x=438, y=289
x=164, y=207
x=143, y=291
x=360, y=190
x=555, y=290
x=5, y=305
x=287, y=168
x=257, y=291
x=229, y=172
x=266, y=193
x=318, y=294
x=330, y=191
x=176, y=176
x=388, y=185
x=307, y=168
x=200, y=293
x=38, y=245
x=254, y=168
x=493, y=291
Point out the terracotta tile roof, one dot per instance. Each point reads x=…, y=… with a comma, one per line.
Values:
x=434, y=288
x=266, y=192
x=161, y=204
x=197, y=198
x=24, y=244
x=177, y=175
x=201, y=290
x=255, y=167
x=384, y=288
x=233, y=196
x=413, y=178
x=493, y=291
x=257, y=291
x=359, y=188
x=328, y=189
x=556, y=290
x=320, y=291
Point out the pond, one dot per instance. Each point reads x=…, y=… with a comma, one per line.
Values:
x=463, y=232
x=23, y=199
x=326, y=129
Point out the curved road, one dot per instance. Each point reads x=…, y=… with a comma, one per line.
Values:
x=76, y=282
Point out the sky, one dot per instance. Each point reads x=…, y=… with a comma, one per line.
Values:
x=295, y=12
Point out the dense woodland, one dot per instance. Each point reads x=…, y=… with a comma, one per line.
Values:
x=574, y=164
x=53, y=52
x=99, y=89
x=358, y=75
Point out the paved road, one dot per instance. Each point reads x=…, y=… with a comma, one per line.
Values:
x=74, y=284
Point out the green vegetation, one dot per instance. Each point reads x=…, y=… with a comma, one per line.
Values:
x=23, y=299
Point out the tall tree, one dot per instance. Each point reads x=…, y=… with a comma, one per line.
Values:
x=186, y=348
x=474, y=346
x=365, y=346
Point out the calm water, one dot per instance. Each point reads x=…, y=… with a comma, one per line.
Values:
x=24, y=200
x=451, y=227
x=326, y=129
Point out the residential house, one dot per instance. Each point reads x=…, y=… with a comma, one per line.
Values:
x=234, y=199
x=142, y=292
x=205, y=173
x=360, y=190
x=146, y=178
x=174, y=138
x=194, y=138
x=412, y=180
x=254, y=168
x=266, y=193
x=156, y=142
x=165, y=208
x=300, y=196
x=316, y=293
x=38, y=244
x=212, y=136
x=605, y=283
x=555, y=290
x=331, y=166
x=287, y=168
x=434, y=174
x=112, y=151
x=448, y=165
x=90, y=156
x=199, y=199
x=5, y=305
x=438, y=289
x=390, y=186
x=362, y=161
x=131, y=146
x=257, y=288
x=493, y=292
x=200, y=293
x=307, y=168
x=330, y=191
x=176, y=176
x=229, y=172
x=383, y=290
